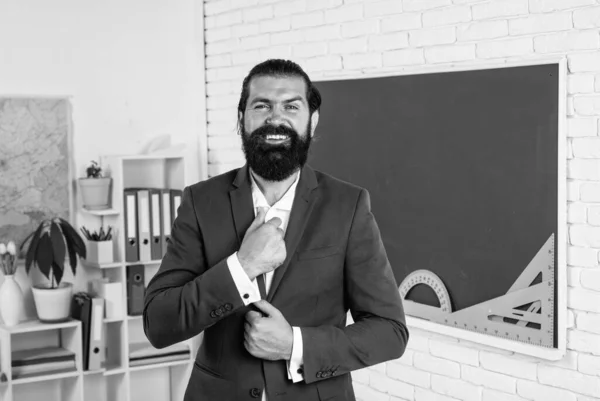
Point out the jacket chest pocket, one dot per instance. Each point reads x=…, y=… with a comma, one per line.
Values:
x=317, y=253
x=321, y=267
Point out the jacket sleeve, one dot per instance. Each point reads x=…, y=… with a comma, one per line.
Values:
x=379, y=331
x=186, y=295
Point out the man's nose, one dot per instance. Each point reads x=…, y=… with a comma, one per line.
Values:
x=276, y=117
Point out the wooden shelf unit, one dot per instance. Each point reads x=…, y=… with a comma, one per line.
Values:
x=116, y=380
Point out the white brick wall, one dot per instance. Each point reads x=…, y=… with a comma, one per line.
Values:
x=482, y=30
x=351, y=37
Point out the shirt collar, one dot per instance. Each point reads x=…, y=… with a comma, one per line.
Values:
x=285, y=203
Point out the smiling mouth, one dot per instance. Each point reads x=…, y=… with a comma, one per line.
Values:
x=275, y=139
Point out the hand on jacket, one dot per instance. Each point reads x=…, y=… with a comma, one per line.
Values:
x=268, y=335
x=263, y=247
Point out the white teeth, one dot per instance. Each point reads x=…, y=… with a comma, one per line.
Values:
x=276, y=137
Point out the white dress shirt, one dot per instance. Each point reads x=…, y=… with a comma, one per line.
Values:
x=281, y=209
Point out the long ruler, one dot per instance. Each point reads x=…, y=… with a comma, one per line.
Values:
x=525, y=313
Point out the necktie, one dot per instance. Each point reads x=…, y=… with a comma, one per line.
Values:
x=261, y=286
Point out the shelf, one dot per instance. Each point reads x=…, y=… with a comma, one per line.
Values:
x=114, y=370
x=45, y=377
x=112, y=380
x=145, y=262
x=101, y=212
x=113, y=319
x=94, y=372
x=160, y=365
x=101, y=265
x=36, y=325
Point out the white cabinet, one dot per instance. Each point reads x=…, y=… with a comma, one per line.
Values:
x=118, y=381
x=61, y=385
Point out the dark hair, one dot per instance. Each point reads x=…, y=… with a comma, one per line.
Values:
x=280, y=68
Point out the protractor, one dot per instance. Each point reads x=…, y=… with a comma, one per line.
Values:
x=431, y=280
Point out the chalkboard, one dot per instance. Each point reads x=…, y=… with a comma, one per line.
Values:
x=462, y=169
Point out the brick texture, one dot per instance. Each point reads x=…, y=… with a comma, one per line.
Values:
x=357, y=37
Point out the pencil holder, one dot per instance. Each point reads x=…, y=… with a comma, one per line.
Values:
x=100, y=251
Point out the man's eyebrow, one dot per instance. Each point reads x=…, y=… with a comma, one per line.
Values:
x=268, y=101
x=294, y=99
x=260, y=100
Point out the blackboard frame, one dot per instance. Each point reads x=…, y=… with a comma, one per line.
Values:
x=559, y=351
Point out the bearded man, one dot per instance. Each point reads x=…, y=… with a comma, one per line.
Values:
x=267, y=260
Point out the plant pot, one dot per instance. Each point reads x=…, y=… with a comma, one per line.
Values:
x=12, y=305
x=95, y=192
x=53, y=304
x=99, y=251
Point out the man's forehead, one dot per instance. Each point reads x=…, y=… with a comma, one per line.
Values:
x=277, y=85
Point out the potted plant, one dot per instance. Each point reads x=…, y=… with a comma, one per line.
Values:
x=49, y=246
x=12, y=307
x=99, y=245
x=95, y=189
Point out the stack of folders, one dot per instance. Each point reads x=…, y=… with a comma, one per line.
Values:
x=145, y=354
x=149, y=214
x=44, y=360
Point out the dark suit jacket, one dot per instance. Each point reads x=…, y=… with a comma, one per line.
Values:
x=335, y=262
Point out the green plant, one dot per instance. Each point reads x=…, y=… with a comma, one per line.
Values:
x=49, y=245
x=94, y=170
x=97, y=236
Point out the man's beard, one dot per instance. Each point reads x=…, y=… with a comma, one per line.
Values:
x=275, y=162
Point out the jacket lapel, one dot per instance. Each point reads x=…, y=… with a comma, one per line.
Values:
x=241, y=203
x=301, y=209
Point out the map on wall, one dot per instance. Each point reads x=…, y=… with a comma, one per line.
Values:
x=34, y=164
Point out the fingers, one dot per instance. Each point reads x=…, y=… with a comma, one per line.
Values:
x=275, y=222
x=258, y=220
x=249, y=342
x=248, y=346
x=266, y=308
x=252, y=316
x=253, y=350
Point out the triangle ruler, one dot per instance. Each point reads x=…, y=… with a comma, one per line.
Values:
x=525, y=313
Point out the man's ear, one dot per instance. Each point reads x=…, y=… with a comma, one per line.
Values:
x=314, y=120
x=240, y=122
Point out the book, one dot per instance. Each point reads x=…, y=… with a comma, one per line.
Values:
x=34, y=356
x=40, y=361
x=143, y=350
x=46, y=368
x=158, y=359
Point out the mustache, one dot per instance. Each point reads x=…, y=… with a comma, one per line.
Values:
x=269, y=129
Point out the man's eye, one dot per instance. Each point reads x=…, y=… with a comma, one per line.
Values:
x=261, y=106
x=291, y=107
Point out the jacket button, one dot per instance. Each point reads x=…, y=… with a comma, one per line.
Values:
x=319, y=374
x=228, y=307
x=212, y=314
x=218, y=312
x=254, y=392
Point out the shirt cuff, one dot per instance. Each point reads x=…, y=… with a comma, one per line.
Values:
x=247, y=288
x=295, y=364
